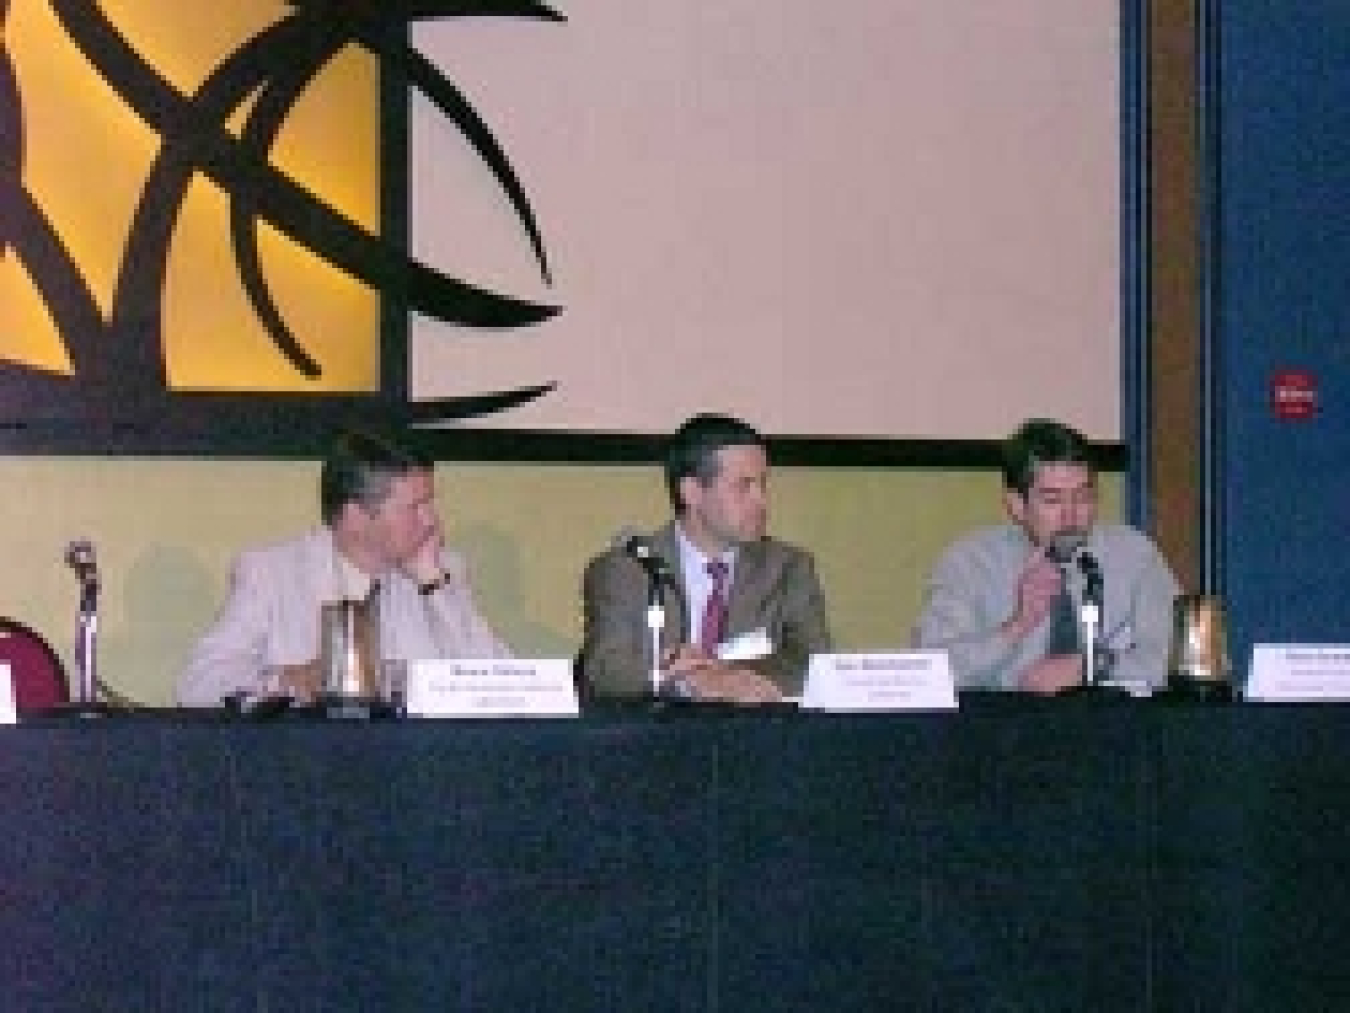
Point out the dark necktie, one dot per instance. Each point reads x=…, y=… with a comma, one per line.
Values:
x=1064, y=637
x=715, y=611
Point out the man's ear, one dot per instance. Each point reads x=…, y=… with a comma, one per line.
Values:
x=353, y=516
x=690, y=487
x=1015, y=505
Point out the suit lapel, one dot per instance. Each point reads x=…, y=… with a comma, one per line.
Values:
x=747, y=587
x=753, y=574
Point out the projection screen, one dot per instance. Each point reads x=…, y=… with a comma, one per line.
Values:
x=888, y=218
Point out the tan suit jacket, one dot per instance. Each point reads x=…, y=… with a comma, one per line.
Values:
x=271, y=618
x=774, y=588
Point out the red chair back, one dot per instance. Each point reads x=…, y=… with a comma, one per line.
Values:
x=35, y=669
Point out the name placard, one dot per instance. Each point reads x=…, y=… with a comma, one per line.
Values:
x=746, y=647
x=896, y=681
x=1299, y=673
x=491, y=688
x=9, y=714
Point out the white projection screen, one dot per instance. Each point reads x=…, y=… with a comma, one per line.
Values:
x=885, y=218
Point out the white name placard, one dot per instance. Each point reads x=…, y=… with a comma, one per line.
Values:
x=1299, y=673
x=8, y=713
x=898, y=681
x=491, y=688
x=746, y=647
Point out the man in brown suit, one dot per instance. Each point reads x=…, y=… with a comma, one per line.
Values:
x=743, y=612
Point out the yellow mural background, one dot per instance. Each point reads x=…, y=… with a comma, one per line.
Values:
x=86, y=159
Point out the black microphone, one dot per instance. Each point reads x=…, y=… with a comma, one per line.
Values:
x=1063, y=545
x=639, y=547
x=1092, y=575
x=80, y=558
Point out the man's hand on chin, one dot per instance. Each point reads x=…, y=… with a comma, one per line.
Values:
x=424, y=565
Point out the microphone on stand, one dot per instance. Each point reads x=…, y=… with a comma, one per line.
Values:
x=80, y=558
x=1098, y=657
x=1063, y=545
x=639, y=547
x=1092, y=576
x=1062, y=549
x=659, y=575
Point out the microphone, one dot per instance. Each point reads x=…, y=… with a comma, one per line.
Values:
x=1063, y=545
x=1061, y=549
x=1092, y=576
x=1092, y=570
x=80, y=558
x=639, y=547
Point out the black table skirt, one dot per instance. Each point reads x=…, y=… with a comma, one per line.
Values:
x=1018, y=855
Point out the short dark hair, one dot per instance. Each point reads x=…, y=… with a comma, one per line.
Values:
x=692, y=449
x=1041, y=441
x=361, y=466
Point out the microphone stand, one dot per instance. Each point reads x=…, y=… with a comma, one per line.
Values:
x=1091, y=615
x=84, y=702
x=1092, y=619
x=639, y=549
x=87, y=644
x=656, y=622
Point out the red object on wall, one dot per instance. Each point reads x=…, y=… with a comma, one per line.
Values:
x=1293, y=394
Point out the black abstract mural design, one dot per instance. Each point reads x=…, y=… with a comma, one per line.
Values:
x=119, y=380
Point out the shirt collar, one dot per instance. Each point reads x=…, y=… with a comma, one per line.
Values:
x=692, y=558
x=350, y=582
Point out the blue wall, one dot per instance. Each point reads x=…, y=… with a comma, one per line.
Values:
x=1282, y=276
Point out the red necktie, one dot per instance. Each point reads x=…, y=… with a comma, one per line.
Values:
x=715, y=611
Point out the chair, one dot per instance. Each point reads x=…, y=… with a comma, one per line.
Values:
x=585, y=694
x=35, y=669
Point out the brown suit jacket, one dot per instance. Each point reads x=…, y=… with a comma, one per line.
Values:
x=774, y=588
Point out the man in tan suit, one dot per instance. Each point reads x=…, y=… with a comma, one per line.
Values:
x=381, y=534
x=743, y=612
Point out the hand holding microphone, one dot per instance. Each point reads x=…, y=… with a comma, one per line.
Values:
x=1039, y=584
x=1041, y=581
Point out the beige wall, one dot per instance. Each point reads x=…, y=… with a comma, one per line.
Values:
x=166, y=530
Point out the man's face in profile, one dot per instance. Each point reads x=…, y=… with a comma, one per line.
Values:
x=1062, y=497
x=733, y=507
x=398, y=525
